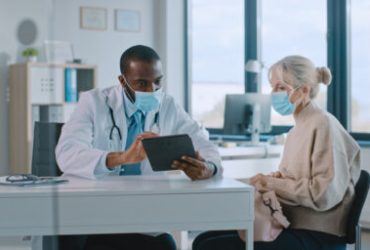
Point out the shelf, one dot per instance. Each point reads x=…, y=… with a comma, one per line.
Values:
x=59, y=65
x=37, y=92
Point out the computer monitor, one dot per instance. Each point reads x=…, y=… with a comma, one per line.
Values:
x=247, y=114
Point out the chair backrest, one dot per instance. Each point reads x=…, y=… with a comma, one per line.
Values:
x=361, y=191
x=45, y=139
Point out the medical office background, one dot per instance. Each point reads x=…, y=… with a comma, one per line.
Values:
x=204, y=46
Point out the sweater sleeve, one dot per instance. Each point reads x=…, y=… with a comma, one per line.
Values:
x=329, y=178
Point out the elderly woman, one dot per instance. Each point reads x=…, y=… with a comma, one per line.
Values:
x=318, y=171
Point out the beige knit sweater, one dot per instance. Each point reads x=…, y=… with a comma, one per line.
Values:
x=319, y=167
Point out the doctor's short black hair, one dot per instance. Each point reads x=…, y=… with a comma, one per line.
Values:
x=137, y=52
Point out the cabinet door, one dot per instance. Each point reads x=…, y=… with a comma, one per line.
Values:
x=47, y=85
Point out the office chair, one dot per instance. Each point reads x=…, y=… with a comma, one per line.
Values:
x=45, y=139
x=353, y=227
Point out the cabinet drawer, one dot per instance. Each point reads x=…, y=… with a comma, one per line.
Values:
x=47, y=85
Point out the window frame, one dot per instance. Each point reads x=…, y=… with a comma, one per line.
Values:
x=339, y=47
x=338, y=58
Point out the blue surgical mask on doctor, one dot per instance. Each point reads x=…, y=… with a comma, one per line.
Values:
x=145, y=101
x=280, y=102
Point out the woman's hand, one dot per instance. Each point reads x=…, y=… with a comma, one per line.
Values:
x=259, y=181
x=276, y=174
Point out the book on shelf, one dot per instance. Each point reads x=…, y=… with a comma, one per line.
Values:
x=70, y=85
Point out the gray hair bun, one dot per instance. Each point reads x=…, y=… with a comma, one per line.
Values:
x=323, y=75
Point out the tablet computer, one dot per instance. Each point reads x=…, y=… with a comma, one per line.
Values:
x=163, y=150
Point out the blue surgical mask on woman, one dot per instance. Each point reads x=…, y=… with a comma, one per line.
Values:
x=146, y=101
x=280, y=102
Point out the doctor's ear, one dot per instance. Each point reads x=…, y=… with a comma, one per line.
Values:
x=121, y=80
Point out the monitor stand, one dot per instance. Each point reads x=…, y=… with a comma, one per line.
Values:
x=255, y=135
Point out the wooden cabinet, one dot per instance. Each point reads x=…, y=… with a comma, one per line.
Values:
x=41, y=92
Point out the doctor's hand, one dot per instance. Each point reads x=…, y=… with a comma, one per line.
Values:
x=134, y=154
x=195, y=168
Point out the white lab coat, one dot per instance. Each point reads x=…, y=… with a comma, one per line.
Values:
x=84, y=143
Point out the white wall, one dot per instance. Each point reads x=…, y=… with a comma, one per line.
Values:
x=161, y=28
x=12, y=12
x=103, y=48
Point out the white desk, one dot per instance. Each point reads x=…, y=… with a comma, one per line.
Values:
x=244, y=169
x=251, y=152
x=127, y=204
x=244, y=162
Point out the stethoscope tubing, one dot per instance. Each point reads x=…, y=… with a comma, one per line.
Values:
x=114, y=126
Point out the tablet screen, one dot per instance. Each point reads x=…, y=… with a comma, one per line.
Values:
x=163, y=150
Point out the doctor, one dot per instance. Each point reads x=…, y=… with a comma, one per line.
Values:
x=105, y=131
x=103, y=136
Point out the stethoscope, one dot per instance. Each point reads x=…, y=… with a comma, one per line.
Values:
x=115, y=127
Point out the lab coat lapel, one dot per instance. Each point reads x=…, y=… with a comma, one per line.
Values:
x=152, y=118
x=149, y=120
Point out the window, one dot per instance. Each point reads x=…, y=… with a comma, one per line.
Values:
x=285, y=27
x=290, y=27
x=216, y=47
x=360, y=66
